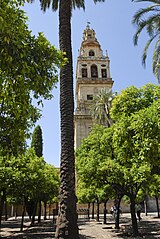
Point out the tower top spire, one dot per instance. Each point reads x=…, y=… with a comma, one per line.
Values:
x=88, y=25
x=89, y=34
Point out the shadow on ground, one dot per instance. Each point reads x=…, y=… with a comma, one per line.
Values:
x=147, y=229
x=43, y=230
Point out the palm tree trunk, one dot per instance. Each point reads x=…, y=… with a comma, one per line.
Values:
x=67, y=216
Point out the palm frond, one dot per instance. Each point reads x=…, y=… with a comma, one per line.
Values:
x=149, y=19
x=100, y=109
x=141, y=26
x=153, y=1
x=95, y=1
x=151, y=25
x=156, y=58
x=78, y=4
x=144, y=56
x=143, y=11
x=45, y=4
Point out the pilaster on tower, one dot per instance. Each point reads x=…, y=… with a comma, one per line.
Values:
x=92, y=74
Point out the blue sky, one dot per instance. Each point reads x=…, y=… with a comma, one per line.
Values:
x=112, y=22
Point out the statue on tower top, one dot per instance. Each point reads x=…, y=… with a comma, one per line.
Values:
x=88, y=25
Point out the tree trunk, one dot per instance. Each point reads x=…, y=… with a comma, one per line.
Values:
x=92, y=210
x=1, y=208
x=88, y=211
x=105, y=212
x=145, y=205
x=45, y=210
x=34, y=213
x=23, y=212
x=118, y=212
x=5, y=209
x=66, y=227
x=16, y=212
x=12, y=210
x=39, y=211
x=157, y=206
x=133, y=216
x=5, y=204
x=97, y=210
x=49, y=210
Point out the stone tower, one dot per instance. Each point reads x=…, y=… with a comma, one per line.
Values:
x=92, y=74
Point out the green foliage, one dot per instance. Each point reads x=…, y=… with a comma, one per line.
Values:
x=28, y=177
x=125, y=155
x=91, y=181
x=51, y=184
x=28, y=68
x=37, y=141
x=133, y=99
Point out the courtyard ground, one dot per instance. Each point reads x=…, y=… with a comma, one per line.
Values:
x=149, y=228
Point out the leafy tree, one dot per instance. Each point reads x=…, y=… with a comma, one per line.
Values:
x=100, y=109
x=133, y=99
x=28, y=69
x=6, y=181
x=125, y=154
x=37, y=141
x=31, y=179
x=149, y=19
x=67, y=218
x=37, y=145
x=90, y=184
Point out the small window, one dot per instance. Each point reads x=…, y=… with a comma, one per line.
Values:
x=84, y=72
x=89, y=97
x=94, y=71
x=103, y=65
x=91, y=53
x=89, y=129
x=104, y=73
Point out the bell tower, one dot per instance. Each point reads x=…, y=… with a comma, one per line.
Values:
x=92, y=74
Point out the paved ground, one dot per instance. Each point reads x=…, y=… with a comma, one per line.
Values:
x=149, y=227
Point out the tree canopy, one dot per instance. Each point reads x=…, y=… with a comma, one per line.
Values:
x=37, y=141
x=28, y=69
x=126, y=154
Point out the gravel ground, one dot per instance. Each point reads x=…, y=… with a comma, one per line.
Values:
x=149, y=228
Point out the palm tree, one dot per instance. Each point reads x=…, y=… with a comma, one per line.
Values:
x=67, y=216
x=149, y=19
x=101, y=107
